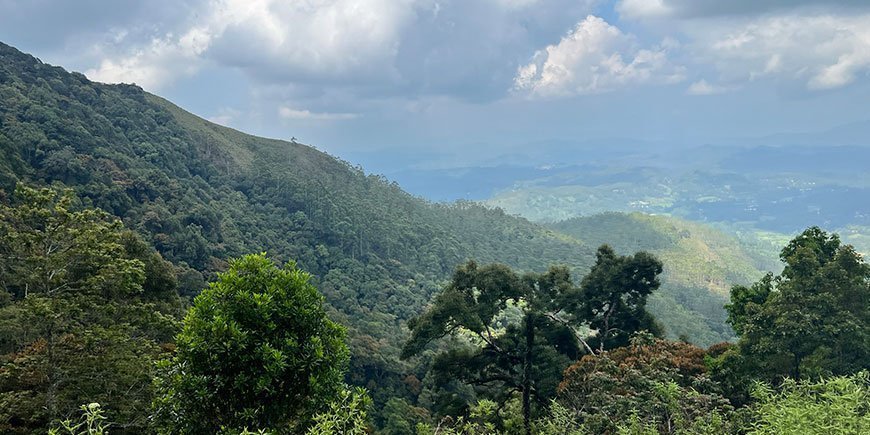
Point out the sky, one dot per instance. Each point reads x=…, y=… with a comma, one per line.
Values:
x=389, y=83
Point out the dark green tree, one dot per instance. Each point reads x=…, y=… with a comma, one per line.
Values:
x=518, y=333
x=612, y=297
x=256, y=351
x=499, y=356
x=811, y=320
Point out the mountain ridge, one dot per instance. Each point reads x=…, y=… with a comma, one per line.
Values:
x=202, y=193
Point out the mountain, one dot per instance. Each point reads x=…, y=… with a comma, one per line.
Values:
x=202, y=193
x=701, y=263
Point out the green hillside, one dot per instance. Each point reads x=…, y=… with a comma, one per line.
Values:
x=700, y=264
x=201, y=194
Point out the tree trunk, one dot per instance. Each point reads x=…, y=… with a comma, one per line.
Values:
x=527, y=374
x=52, y=375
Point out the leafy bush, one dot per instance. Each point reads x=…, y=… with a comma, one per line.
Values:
x=832, y=406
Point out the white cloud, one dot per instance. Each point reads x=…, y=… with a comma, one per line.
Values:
x=161, y=61
x=702, y=87
x=654, y=9
x=819, y=51
x=341, y=39
x=225, y=116
x=595, y=57
x=290, y=113
x=635, y=9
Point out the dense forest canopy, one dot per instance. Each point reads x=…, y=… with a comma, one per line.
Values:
x=141, y=292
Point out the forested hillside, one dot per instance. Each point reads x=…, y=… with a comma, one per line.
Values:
x=700, y=265
x=201, y=194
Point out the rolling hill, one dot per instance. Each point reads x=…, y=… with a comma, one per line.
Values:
x=701, y=263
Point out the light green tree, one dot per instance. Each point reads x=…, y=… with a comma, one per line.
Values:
x=832, y=406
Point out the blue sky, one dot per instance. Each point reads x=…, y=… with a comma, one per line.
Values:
x=457, y=82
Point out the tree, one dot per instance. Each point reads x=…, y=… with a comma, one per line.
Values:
x=78, y=320
x=256, y=351
x=651, y=383
x=501, y=356
x=612, y=297
x=811, y=320
x=520, y=332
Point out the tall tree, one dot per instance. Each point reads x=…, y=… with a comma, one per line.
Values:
x=612, y=297
x=256, y=351
x=813, y=319
x=503, y=354
x=518, y=333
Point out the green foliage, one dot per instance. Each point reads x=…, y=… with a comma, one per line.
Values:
x=90, y=423
x=400, y=417
x=80, y=322
x=612, y=297
x=202, y=194
x=559, y=421
x=527, y=356
x=347, y=415
x=811, y=320
x=499, y=360
x=50, y=250
x=480, y=421
x=256, y=350
x=832, y=406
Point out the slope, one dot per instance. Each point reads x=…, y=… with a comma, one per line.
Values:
x=202, y=193
x=701, y=263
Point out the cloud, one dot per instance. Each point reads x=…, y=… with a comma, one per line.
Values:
x=372, y=48
x=814, y=44
x=46, y=25
x=272, y=40
x=819, y=51
x=595, y=57
x=702, y=87
x=162, y=61
x=643, y=8
x=646, y=9
x=225, y=116
x=290, y=113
